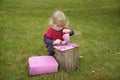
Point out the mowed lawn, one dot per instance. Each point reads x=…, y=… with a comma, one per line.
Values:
x=97, y=29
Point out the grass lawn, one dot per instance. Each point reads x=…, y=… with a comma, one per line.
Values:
x=97, y=29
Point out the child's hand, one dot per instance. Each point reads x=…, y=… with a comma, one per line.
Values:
x=66, y=30
x=57, y=41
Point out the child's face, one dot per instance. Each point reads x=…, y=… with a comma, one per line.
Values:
x=59, y=27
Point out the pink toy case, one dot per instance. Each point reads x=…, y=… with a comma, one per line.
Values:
x=42, y=65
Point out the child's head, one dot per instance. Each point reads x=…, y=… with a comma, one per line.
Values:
x=58, y=19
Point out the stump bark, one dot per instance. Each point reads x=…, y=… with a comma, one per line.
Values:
x=67, y=59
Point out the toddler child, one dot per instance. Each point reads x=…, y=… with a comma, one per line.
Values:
x=54, y=34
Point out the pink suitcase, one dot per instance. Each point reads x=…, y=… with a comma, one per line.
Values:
x=42, y=65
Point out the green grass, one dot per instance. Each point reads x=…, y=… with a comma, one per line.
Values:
x=97, y=29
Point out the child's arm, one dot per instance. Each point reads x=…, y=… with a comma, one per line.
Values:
x=71, y=32
x=48, y=41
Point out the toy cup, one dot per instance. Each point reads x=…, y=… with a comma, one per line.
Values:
x=66, y=37
x=63, y=42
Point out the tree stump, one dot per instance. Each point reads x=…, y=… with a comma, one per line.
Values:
x=67, y=56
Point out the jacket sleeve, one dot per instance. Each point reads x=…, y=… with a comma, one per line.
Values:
x=71, y=32
x=47, y=40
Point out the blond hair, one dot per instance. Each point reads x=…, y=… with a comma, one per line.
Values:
x=58, y=19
